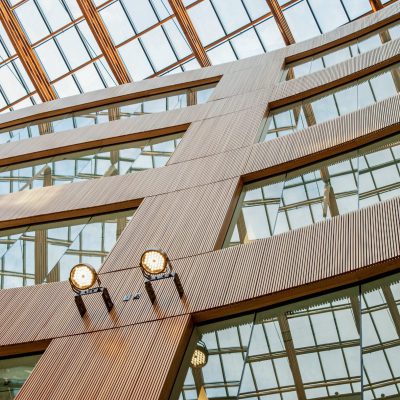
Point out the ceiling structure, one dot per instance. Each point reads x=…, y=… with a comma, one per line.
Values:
x=59, y=48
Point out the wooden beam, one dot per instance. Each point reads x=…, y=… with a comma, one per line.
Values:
x=281, y=21
x=376, y=5
x=25, y=53
x=189, y=30
x=104, y=41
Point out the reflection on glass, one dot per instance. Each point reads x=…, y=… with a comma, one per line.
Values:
x=227, y=345
x=46, y=253
x=96, y=163
x=128, y=109
x=331, y=104
x=380, y=305
x=307, y=350
x=14, y=371
x=338, y=54
x=317, y=192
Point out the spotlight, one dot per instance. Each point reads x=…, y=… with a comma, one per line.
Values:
x=82, y=279
x=155, y=265
x=200, y=355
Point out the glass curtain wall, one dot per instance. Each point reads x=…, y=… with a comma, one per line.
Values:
x=14, y=371
x=331, y=104
x=91, y=164
x=148, y=105
x=342, y=345
x=318, y=192
x=339, y=54
x=46, y=253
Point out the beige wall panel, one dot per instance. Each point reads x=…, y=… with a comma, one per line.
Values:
x=121, y=363
x=219, y=134
x=346, y=71
x=346, y=32
x=252, y=79
x=347, y=131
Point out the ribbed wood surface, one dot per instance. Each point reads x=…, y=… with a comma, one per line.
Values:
x=110, y=364
x=185, y=208
x=217, y=283
x=258, y=160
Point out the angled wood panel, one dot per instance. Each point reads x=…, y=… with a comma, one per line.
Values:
x=113, y=364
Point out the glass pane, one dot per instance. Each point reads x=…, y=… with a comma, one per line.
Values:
x=46, y=253
x=91, y=164
x=306, y=350
x=14, y=371
x=380, y=307
x=215, y=358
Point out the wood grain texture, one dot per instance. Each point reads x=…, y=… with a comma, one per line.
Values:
x=340, y=251
x=110, y=364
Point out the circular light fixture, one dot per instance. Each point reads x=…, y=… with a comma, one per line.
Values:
x=154, y=262
x=199, y=356
x=82, y=276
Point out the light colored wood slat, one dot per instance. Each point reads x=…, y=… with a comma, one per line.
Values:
x=25, y=53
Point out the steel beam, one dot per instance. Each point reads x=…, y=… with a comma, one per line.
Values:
x=25, y=53
x=281, y=21
x=189, y=31
x=104, y=41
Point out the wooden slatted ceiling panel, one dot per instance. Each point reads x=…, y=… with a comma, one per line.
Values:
x=104, y=41
x=219, y=134
x=218, y=283
x=25, y=53
x=346, y=71
x=260, y=160
x=181, y=223
x=189, y=31
x=135, y=362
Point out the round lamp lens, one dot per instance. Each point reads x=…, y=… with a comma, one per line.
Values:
x=154, y=262
x=199, y=358
x=83, y=276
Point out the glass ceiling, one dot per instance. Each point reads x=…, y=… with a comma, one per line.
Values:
x=149, y=39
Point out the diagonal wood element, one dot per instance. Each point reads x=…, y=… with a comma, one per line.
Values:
x=376, y=5
x=25, y=53
x=281, y=21
x=104, y=41
x=189, y=30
